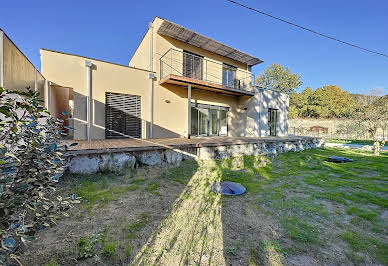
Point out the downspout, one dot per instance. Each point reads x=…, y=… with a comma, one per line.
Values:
x=88, y=65
x=151, y=81
x=1, y=59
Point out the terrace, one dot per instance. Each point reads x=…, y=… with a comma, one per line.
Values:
x=184, y=68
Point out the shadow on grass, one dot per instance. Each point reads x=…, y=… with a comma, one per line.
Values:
x=207, y=228
x=277, y=216
x=191, y=232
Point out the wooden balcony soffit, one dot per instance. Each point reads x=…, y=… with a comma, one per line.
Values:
x=203, y=85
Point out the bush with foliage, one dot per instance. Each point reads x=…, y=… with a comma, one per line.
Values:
x=31, y=163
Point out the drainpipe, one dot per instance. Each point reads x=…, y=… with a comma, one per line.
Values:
x=88, y=65
x=1, y=59
x=151, y=81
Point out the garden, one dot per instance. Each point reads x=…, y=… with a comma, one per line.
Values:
x=298, y=210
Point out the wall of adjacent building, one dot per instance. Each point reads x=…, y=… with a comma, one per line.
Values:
x=18, y=72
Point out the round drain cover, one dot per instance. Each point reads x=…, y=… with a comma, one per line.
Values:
x=228, y=188
x=338, y=159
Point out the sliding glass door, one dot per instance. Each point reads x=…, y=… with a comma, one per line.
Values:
x=203, y=115
x=213, y=123
x=207, y=120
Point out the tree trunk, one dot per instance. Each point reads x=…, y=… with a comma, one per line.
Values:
x=376, y=147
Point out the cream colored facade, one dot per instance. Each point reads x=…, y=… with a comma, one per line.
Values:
x=68, y=73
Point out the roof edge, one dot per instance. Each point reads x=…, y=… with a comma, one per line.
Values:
x=168, y=21
x=95, y=59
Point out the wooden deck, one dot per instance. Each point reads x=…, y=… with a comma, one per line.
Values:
x=131, y=145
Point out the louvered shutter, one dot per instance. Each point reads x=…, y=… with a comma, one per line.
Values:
x=122, y=115
x=192, y=65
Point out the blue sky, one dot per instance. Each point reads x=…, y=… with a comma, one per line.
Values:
x=111, y=30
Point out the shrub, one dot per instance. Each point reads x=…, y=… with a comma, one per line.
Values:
x=31, y=163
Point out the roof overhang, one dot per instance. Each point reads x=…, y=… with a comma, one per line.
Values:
x=180, y=33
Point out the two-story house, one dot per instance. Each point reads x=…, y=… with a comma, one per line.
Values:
x=179, y=83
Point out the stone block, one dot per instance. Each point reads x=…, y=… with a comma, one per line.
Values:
x=149, y=158
x=174, y=157
x=116, y=162
x=84, y=164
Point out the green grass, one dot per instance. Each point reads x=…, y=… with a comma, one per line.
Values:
x=362, y=242
x=87, y=245
x=152, y=187
x=101, y=188
x=297, y=189
x=110, y=249
x=308, y=206
x=128, y=250
x=300, y=230
x=351, y=141
x=52, y=262
x=131, y=229
x=363, y=213
x=183, y=173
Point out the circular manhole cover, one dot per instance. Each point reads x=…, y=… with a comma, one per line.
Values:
x=228, y=188
x=338, y=159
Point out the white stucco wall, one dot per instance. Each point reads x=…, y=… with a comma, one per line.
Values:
x=256, y=113
x=275, y=100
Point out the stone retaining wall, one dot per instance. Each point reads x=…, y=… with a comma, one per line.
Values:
x=119, y=162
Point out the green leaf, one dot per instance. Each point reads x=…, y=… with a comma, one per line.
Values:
x=13, y=156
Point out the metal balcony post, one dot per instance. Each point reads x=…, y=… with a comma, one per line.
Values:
x=188, y=110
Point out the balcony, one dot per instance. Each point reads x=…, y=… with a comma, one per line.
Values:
x=184, y=68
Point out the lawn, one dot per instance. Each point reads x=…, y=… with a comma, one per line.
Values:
x=352, y=141
x=298, y=209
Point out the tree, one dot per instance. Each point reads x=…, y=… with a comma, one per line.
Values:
x=278, y=78
x=373, y=115
x=31, y=163
x=326, y=102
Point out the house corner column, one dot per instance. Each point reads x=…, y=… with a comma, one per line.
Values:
x=188, y=111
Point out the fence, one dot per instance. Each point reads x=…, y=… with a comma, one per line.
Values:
x=361, y=135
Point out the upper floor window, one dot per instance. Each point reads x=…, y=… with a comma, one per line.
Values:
x=192, y=65
x=229, y=76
